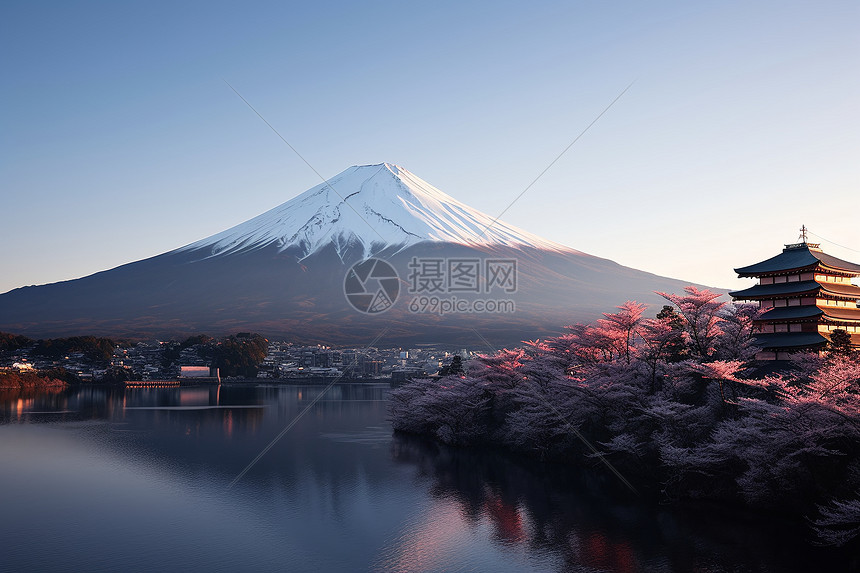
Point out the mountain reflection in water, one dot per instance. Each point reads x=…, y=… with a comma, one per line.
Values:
x=97, y=478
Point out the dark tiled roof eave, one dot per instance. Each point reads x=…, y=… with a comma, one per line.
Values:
x=790, y=313
x=788, y=260
x=796, y=259
x=810, y=312
x=761, y=291
x=796, y=288
x=794, y=340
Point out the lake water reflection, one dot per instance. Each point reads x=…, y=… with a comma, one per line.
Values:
x=106, y=479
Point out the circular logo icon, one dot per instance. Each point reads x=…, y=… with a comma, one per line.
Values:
x=371, y=286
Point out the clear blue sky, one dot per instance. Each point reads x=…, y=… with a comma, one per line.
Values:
x=119, y=140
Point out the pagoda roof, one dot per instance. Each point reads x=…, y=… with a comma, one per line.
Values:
x=848, y=290
x=796, y=340
x=797, y=257
x=795, y=288
x=842, y=313
x=808, y=311
x=790, y=312
x=759, y=291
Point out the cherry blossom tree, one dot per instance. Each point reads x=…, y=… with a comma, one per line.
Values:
x=621, y=327
x=736, y=340
x=701, y=312
x=722, y=371
x=661, y=341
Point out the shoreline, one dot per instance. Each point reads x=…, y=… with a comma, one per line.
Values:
x=185, y=383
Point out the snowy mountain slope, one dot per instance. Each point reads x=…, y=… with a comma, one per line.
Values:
x=286, y=273
x=365, y=209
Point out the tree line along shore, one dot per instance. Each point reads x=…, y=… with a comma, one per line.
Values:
x=674, y=406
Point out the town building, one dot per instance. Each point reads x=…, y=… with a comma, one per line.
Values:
x=805, y=294
x=201, y=373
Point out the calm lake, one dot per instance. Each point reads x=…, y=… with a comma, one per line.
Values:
x=113, y=479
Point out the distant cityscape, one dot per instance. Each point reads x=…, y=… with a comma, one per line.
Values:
x=148, y=361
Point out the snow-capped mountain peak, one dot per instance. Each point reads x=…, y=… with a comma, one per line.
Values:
x=369, y=207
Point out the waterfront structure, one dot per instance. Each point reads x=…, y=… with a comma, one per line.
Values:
x=805, y=294
x=201, y=373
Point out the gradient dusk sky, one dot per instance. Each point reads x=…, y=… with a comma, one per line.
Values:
x=119, y=139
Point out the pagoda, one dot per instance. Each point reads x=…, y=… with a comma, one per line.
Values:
x=804, y=294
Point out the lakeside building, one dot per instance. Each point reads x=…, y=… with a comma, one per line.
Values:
x=200, y=373
x=805, y=294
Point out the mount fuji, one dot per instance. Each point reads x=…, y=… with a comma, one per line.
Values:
x=287, y=273
x=367, y=209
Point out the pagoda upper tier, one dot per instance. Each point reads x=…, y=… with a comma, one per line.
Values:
x=800, y=257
